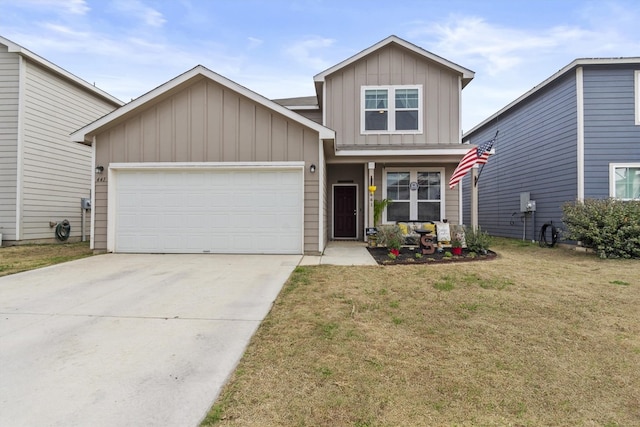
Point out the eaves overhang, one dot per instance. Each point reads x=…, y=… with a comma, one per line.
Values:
x=85, y=134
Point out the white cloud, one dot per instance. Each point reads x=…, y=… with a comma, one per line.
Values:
x=306, y=52
x=76, y=7
x=254, y=42
x=148, y=15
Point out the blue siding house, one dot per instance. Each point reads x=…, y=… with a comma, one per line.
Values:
x=574, y=136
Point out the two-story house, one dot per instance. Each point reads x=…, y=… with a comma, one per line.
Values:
x=574, y=136
x=202, y=164
x=43, y=175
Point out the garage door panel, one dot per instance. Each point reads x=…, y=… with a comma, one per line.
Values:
x=218, y=211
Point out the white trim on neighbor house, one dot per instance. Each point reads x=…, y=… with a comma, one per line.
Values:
x=25, y=53
x=413, y=210
x=333, y=209
x=84, y=134
x=92, y=235
x=636, y=75
x=22, y=77
x=576, y=63
x=612, y=176
x=391, y=110
x=580, y=132
x=114, y=168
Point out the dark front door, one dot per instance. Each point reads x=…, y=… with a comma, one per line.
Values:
x=345, y=214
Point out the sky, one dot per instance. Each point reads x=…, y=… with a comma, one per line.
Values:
x=275, y=47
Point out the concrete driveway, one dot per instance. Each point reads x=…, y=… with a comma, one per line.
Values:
x=129, y=340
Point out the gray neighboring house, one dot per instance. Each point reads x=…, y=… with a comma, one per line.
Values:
x=202, y=164
x=573, y=137
x=43, y=175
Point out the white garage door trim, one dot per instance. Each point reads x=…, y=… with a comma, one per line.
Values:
x=116, y=168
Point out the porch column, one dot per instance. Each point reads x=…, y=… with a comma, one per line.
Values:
x=474, y=198
x=372, y=168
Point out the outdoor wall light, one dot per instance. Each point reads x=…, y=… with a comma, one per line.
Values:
x=312, y=168
x=99, y=169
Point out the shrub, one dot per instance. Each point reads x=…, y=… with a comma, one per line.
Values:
x=478, y=241
x=390, y=236
x=611, y=227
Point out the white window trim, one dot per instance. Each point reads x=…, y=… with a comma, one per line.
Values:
x=413, y=173
x=612, y=176
x=391, y=108
x=636, y=80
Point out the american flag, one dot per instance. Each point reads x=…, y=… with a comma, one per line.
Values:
x=479, y=155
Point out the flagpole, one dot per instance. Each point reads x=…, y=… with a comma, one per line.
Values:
x=475, y=182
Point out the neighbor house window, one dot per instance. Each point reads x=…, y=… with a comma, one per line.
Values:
x=391, y=109
x=625, y=181
x=415, y=194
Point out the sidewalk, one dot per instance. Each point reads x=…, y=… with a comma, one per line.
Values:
x=341, y=253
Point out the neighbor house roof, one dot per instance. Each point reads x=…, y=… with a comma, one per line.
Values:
x=573, y=65
x=16, y=48
x=467, y=75
x=86, y=133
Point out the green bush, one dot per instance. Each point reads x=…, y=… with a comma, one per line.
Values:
x=390, y=236
x=611, y=227
x=478, y=241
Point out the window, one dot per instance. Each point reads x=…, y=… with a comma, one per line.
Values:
x=625, y=181
x=416, y=194
x=401, y=115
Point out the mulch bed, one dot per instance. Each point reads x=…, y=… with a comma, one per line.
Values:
x=408, y=256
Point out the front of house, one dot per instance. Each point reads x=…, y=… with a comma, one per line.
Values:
x=202, y=164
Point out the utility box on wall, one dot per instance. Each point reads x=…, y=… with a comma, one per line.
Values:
x=85, y=203
x=526, y=204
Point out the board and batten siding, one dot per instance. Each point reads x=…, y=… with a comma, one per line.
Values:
x=56, y=172
x=535, y=152
x=9, y=104
x=610, y=132
x=394, y=65
x=203, y=121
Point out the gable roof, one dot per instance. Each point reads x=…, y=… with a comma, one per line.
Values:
x=572, y=66
x=16, y=48
x=86, y=133
x=467, y=75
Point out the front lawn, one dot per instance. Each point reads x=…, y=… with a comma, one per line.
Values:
x=14, y=259
x=537, y=336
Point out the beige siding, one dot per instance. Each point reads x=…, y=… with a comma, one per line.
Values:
x=207, y=122
x=394, y=65
x=9, y=88
x=56, y=171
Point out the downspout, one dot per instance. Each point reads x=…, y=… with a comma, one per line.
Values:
x=580, y=132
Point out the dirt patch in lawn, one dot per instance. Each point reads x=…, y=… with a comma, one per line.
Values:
x=537, y=336
x=410, y=255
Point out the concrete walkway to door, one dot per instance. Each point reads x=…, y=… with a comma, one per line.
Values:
x=341, y=252
x=129, y=340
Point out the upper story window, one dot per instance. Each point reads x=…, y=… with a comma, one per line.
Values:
x=625, y=181
x=391, y=109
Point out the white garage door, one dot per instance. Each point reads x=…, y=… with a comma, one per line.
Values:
x=209, y=210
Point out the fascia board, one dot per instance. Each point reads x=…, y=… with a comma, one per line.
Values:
x=467, y=74
x=15, y=48
x=576, y=63
x=84, y=134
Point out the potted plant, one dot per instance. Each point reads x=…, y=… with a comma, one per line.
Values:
x=456, y=247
